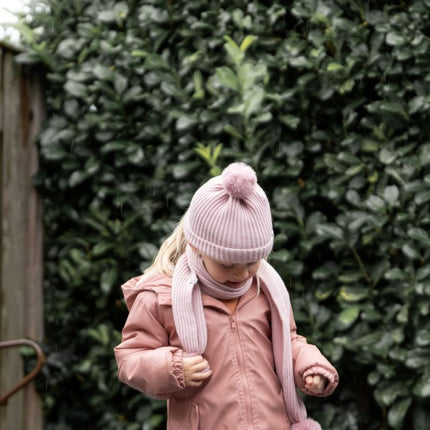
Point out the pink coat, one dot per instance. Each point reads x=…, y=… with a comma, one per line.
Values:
x=243, y=392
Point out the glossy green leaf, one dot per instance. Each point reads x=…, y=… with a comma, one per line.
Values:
x=76, y=89
x=423, y=337
x=386, y=156
x=422, y=388
x=253, y=100
x=397, y=413
x=353, y=294
x=368, y=339
x=227, y=77
x=330, y=231
x=323, y=292
x=290, y=121
x=419, y=234
x=348, y=316
x=108, y=279
x=411, y=252
x=148, y=251
x=120, y=83
x=391, y=195
x=247, y=42
x=422, y=197
x=395, y=38
x=417, y=358
x=390, y=392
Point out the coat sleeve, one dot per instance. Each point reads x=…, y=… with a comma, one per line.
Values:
x=308, y=360
x=146, y=361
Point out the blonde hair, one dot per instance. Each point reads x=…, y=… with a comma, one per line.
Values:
x=169, y=253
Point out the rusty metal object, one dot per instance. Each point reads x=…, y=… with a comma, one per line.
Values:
x=27, y=378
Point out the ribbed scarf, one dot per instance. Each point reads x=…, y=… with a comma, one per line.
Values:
x=190, y=322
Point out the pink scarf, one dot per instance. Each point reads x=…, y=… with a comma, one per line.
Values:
x=190, y=322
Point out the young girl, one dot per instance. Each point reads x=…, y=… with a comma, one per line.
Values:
x=210, y=325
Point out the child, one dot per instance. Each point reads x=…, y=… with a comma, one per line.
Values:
x=210, y=326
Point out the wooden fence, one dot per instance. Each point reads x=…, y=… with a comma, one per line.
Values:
x=21, y=303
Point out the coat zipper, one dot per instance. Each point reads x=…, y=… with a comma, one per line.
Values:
x=242, y=371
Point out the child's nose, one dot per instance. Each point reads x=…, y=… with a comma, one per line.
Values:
x=242, y=272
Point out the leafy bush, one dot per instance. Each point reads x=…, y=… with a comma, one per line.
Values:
x=327, y=100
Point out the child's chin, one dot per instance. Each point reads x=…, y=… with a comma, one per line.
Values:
x=234, y=284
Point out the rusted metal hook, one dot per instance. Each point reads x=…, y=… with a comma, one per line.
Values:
x=24, y=381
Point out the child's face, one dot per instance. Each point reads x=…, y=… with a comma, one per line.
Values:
x=233, y=275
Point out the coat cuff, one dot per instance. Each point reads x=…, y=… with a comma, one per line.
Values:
x=331, y=376
x=177, y=368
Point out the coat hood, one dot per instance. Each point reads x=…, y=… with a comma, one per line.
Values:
x=133, y=287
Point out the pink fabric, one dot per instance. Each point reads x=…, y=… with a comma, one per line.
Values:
x=229, y=217
x=307, y=424
x=239, y=180
x=191, y=324
x=150, y=360
x=187, y=299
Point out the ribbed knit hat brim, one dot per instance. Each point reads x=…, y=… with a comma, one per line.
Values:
x=229, y=217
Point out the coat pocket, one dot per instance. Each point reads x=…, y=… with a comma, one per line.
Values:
x=183, y=415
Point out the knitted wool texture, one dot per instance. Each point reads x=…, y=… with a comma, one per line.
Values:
x=229, y=217
x=229, y=220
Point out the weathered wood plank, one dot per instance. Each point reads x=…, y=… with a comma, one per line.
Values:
x=13, y=242
x=33, y=113
x=21, y=298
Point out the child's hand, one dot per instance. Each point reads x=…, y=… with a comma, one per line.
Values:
x=196, y=370
x=316, y=383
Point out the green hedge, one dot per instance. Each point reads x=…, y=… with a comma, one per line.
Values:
x=327, y=100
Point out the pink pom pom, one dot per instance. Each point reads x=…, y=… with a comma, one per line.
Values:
x=307, y=424
x=239, y=180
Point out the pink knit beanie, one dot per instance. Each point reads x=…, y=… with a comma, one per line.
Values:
x=229, y=217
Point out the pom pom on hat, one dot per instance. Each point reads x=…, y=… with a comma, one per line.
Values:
x=307, y=424
x=239, y=180
x=229, y=217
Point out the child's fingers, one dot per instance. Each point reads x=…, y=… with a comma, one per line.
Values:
x=203, y=366
x=315, y=383
x=196, y=370
x=196, y=363
x=192, y=361
x=196, y=379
